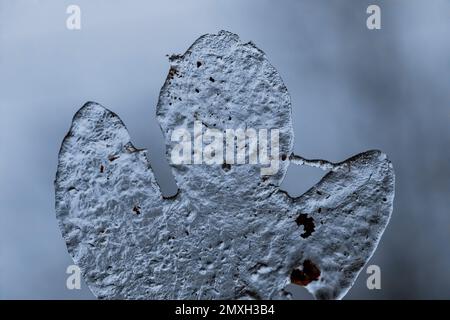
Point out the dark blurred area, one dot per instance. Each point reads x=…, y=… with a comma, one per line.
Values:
x=352, y=89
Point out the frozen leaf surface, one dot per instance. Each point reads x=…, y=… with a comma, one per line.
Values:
x=230, y=232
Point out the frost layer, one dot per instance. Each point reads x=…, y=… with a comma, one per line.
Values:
x=229, y=233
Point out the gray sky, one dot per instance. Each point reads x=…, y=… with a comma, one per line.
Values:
x=352, y=90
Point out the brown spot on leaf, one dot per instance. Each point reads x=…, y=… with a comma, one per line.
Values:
x=172, y=73
x=310, y=272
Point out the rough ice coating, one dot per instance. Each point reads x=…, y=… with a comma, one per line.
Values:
x=229, y=233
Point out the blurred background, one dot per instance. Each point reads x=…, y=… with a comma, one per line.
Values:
x=352, y=89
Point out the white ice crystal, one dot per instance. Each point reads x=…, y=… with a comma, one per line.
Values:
x=229, y=233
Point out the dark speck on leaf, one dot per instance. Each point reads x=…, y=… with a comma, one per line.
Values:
x=226, y=166
x=137, y=209
x=111, y=158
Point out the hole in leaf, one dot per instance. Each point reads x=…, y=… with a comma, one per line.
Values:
x=307, y=223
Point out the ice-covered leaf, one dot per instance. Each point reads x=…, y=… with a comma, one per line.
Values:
x=230, y=232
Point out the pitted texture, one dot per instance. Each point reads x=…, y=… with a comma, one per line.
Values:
x=229, y=233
